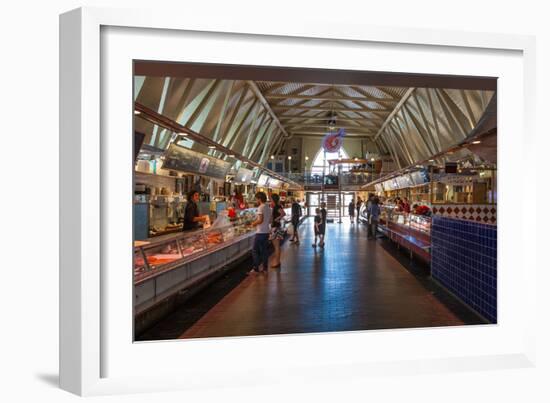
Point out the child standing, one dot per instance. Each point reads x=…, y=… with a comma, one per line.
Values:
x=317, y=220
x=323, y=225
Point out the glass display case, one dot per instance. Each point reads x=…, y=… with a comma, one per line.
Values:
x=160, y=254
x=411, y=231
x=389, y=216
x=419, y=223
x=170, y=251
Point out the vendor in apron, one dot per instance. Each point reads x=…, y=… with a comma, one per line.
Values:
x=191, y=217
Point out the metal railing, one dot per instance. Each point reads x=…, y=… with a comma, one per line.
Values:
x=344, y=179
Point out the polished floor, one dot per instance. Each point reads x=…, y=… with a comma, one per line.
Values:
x=351, y=284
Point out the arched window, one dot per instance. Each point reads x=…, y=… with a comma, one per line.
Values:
x=319, y=161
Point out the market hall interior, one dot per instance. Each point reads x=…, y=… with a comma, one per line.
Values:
x=209, y=138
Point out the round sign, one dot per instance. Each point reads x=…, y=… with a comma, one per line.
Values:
x=333, y=141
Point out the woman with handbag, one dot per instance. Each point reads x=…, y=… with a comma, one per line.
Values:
x=277, y=231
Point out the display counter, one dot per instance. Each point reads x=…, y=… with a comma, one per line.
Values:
x=168, y=264
x=410, y=231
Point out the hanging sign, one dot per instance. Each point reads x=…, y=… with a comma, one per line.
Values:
x=183, y=159
x=332, y=142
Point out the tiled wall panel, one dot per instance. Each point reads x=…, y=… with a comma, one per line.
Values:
x=464, y=259
x=483, y=213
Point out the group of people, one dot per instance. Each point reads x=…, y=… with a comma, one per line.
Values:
x=352, y=206
x=373, y=213
x=269, y=225
x=403, y=206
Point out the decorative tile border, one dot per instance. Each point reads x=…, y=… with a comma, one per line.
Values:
x=464, y=259
x=482, y=213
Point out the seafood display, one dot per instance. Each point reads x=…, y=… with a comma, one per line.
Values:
x=158, y=255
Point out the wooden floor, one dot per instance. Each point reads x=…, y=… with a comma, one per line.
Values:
x=353, y=284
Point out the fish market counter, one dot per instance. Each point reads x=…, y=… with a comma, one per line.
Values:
x=173, y=264
x=411, y=231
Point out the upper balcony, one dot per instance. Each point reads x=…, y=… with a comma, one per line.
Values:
x=347, y=181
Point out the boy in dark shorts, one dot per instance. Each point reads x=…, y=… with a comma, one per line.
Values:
x=317, y=222
x=318, y=228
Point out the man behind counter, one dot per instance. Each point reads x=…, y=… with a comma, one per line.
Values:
x=191, y=217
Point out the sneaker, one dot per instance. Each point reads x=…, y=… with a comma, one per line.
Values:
x=253, y=271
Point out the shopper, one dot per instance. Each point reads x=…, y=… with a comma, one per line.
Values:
x=406, y=206
x=358, y=206
x=351, y=210
x=191, y=216
x=422, y=210
x=317, y=223
x=374, y=217
x=399, y=203
x=277, y=231
x=323, y=224
x=260, y=253
x=296, y=210
x=367, y=209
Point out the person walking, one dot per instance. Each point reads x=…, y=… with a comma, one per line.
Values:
x=367, y=208
x=358, y=206
x=260, y=255
x=323, y=225
x=296, y=210
x=277, y=232
x=374, y=217
x=317, y=222
x=351, y=211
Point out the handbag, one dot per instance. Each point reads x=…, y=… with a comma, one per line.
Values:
x=290, y=229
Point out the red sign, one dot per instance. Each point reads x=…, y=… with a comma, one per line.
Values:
x=333, y=141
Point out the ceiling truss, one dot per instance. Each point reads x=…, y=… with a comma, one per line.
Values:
x=256, y=118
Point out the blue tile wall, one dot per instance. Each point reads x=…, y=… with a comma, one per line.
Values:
x=464, y=259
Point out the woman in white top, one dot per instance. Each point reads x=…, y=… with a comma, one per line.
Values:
x=260, y=254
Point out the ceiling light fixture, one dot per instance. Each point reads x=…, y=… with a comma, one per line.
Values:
x=211, y=147
x=182, y=134
x=476, y=142
x=137, y=113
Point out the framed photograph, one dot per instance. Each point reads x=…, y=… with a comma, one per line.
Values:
x=180, y=144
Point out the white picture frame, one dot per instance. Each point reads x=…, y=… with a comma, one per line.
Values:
x=93, y=329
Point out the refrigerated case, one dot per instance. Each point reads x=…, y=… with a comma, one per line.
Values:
x=158, y=255
x=410, y=231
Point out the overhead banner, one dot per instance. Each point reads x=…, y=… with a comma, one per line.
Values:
x=183, y=159
x=420, y=177
x=262, y=181
x=244, y=175
x=332, y=142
